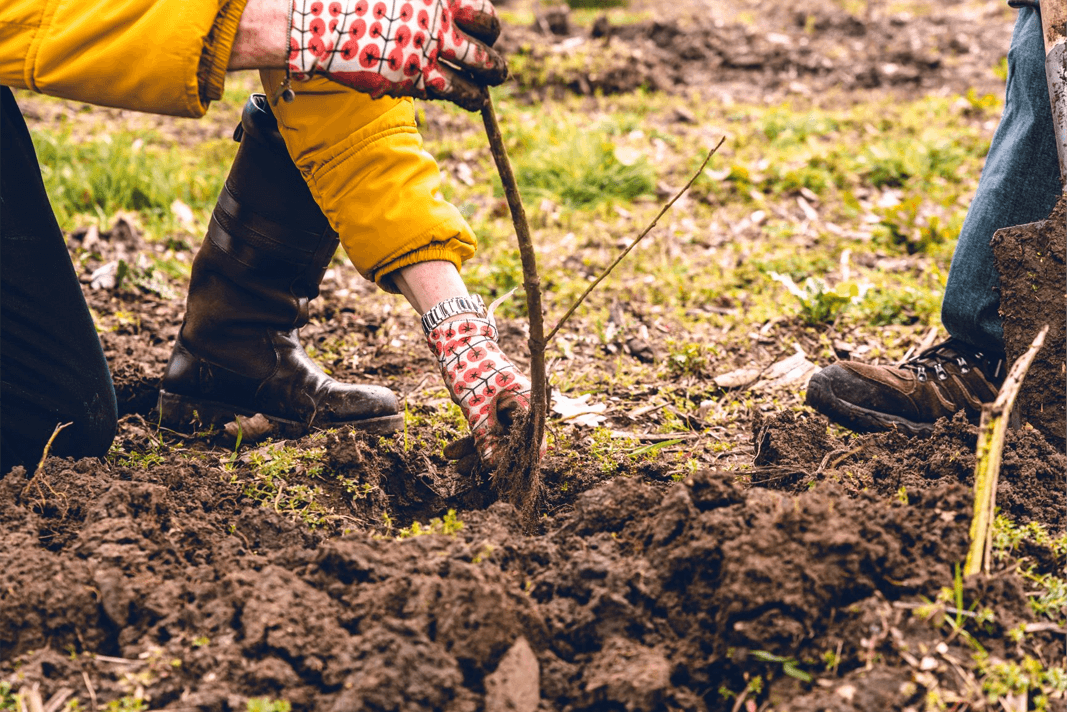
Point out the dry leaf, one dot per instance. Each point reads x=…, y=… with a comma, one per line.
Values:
x=251, y=429
x=579, y=411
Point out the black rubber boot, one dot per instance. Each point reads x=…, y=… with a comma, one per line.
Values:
x=265, y=253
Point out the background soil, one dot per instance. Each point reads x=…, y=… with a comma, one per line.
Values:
x=804, y=578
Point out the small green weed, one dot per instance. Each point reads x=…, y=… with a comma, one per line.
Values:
x=1050, y=600
x=609, y=451
x=789, y=665
x=906, y=305
x=126, y=704
x=686, y=358
x=449, y=525
x=266, y=704
x=1028, y=677
x=271, y=465
x=820, y=303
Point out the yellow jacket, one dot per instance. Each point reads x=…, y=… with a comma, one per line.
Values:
x=362, y=158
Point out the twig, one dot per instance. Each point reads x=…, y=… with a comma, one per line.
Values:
x=741, y=700
x=531, y=279
x=633, y=244
x=114, y=660
x=56, y=701
x=1045, y=627
x=32, y=698
x=991, y=431
x=44, y=456
x=654, y=437
x=89, y=687
x=844, y=455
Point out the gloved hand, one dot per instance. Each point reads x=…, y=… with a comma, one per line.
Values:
x=483, y=383
x=396, y=47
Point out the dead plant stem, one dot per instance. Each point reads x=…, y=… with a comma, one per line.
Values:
x=991, y=432
x=40, y=465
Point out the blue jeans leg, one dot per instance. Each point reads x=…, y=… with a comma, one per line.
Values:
x=1020, y=183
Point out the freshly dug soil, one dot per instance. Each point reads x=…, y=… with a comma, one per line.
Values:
x=1033, y=293
x=171, y=573
x=637, y=597
x=795, y=452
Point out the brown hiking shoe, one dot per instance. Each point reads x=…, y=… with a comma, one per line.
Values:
x=937, y=383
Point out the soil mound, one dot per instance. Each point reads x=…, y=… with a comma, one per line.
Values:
x=637, y=598
x=797, y=452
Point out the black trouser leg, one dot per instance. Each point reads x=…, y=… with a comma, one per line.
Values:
x=52, y=368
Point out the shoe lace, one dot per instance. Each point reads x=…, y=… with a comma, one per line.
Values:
x=950, y=351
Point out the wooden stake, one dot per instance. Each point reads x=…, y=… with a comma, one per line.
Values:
x=991, y=432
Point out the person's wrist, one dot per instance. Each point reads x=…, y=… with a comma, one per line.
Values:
x=262, y=38
x=453, y=309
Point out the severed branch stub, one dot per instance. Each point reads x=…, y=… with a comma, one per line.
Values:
x=991, y=432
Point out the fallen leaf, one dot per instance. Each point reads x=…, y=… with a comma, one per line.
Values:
x=579, y=411
x=793, y=371
x=627, y=155
x=250, y=430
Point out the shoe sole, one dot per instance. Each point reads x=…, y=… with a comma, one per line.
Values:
x=178, y=411
x=862, y=420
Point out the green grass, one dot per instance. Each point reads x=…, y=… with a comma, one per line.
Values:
x=576, y=167
x=93, y=178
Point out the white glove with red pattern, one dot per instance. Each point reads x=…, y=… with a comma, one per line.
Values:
x=483, y=383
x=396, y=47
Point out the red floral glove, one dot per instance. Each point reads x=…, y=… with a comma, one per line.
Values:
x=395, y=47
x=482, y=382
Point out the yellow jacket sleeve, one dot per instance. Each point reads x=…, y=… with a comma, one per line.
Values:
x=160, y=56
x=364, y=162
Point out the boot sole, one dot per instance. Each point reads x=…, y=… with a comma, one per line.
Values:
x=178, y=411
x=821, y=397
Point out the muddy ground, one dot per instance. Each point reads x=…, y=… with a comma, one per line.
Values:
x=804, y=577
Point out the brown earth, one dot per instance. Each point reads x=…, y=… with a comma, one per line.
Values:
x=1033, y=288
x=173, y=581
x=764, y=50
x=795, y=453
x=800, y=580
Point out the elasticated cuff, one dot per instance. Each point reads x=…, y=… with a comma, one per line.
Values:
x=451, y=250
x=217, y=49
